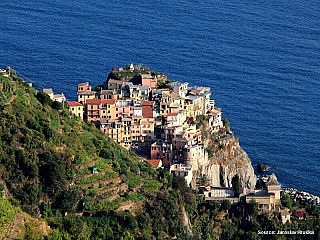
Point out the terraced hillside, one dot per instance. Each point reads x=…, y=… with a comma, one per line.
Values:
x=47, y=159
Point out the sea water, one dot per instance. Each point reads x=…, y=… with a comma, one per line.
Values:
x=260, y=58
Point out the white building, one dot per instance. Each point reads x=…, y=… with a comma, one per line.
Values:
x=182, y=171
x=179, y=88
x=216, y=192
x=59, y=97
x=48, y=91
x=215, y=120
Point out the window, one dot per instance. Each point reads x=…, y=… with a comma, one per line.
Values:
x=72, y=109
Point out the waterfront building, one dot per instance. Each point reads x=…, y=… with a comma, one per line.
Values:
x=110, y=94
x=48, y=91
x=178, y=88
x=206, y=93
x=195, y=106
x=149, y=80
x=59, y=97
x=147, y=109
x=85, y=92
x=267, y=195
x=214, y=120
x=194, y=154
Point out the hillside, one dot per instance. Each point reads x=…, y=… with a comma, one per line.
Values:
x=67, y=175
x=47, y=158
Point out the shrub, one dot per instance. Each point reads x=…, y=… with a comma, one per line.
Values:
x=44, y=98
x=132, y=180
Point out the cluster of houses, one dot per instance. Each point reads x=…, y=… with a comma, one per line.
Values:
x=151, y=116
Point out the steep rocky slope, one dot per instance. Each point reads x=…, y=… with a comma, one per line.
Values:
x=226, y=160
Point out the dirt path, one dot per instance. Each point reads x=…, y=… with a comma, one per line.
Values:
x=11, y=100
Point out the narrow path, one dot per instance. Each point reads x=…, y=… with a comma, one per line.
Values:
x=11, y=100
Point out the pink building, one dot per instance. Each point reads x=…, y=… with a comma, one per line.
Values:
x=84, y=87
x=124, y=108
x=93, y=110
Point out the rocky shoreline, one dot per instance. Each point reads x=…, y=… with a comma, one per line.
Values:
x=301, y=196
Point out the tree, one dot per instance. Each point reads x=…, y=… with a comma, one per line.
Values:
x=44, y=98
x=69, y=200
x=236, y=184
x=57, y=105
x=225, y=204
x=252, y=209
x=286, y=201
x=204, y=180
x=127, y=236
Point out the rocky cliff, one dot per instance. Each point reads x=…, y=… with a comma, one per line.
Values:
x=226, y=159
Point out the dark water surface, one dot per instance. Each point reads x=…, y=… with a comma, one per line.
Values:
x=260, y=58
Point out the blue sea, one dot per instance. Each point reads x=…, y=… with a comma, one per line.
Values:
x=260, y=58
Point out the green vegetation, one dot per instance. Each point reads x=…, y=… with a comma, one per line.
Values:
x=133, y=180
x=46, y=156
x=236, y=184
x=7, y=213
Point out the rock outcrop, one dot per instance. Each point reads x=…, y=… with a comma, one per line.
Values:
x=227, y=159
x=262, y=167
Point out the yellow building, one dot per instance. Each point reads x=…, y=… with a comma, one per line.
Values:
x=76, y=108
x=108, y=109
x=118, y=130
x=147, y=128
x=194, y=105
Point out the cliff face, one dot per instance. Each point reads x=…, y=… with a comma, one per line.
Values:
x=227, y=160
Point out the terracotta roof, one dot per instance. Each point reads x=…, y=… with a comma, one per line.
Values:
x=154, y=162
x=75, y=104
x=108, y=101
x=149, y=103
x=93, y=101
x=172, y=114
